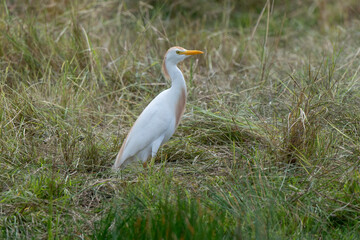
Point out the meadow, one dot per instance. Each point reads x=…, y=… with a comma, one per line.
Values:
x=268, y=147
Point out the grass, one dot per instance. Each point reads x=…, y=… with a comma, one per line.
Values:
x=268, y=147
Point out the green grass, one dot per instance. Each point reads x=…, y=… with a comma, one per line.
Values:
x=268, y=147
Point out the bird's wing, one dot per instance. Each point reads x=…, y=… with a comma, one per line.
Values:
x=153, y=122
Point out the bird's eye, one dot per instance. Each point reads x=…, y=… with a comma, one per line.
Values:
x=178, y=52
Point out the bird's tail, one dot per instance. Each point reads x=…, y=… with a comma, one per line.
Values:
x=119, y=158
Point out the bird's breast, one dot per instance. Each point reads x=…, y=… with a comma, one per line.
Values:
x=180, y=106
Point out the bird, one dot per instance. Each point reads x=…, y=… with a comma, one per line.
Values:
x=159, y=120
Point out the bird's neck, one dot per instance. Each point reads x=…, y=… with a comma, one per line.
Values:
x=178, y=89
x=177, y=78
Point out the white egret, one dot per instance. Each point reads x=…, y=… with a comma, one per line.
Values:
x=159, y=120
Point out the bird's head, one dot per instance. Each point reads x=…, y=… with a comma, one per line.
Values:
x=177, y=54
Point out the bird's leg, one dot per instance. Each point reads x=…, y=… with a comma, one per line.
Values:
x=150, y=165
x=152, y=162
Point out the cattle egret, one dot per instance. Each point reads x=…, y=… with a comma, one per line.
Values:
x=157, y=123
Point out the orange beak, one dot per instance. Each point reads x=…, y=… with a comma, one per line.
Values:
x=191, y=52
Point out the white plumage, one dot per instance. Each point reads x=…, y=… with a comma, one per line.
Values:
x=159, y=120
